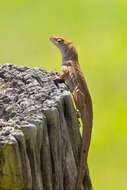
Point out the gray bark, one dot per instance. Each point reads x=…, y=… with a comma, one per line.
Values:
x=39, y=132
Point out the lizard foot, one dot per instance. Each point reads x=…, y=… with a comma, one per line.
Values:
x=58, y=80
x=78, y=113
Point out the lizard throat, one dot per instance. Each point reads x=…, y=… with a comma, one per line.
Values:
x=69, y=57
x=68, y=54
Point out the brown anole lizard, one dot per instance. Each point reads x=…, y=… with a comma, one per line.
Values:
x=76, y=82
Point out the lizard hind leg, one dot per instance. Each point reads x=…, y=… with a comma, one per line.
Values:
x=79, y=100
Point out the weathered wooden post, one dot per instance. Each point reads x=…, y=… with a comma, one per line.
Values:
x=39, y=132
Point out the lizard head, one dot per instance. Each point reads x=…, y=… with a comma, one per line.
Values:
x=66, y=47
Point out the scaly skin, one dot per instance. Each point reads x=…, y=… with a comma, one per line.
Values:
x=74, y=78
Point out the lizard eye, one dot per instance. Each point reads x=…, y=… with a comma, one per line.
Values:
x=59, y=40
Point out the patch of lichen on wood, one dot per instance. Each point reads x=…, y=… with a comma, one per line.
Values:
x=10, y=168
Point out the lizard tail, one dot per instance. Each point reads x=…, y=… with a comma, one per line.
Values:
x=87, y=128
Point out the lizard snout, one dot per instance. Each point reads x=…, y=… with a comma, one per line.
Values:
x=52, y=39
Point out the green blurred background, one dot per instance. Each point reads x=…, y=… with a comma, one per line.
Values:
x=98, y=29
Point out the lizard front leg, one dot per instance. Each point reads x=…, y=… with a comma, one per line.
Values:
x=62, y=78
